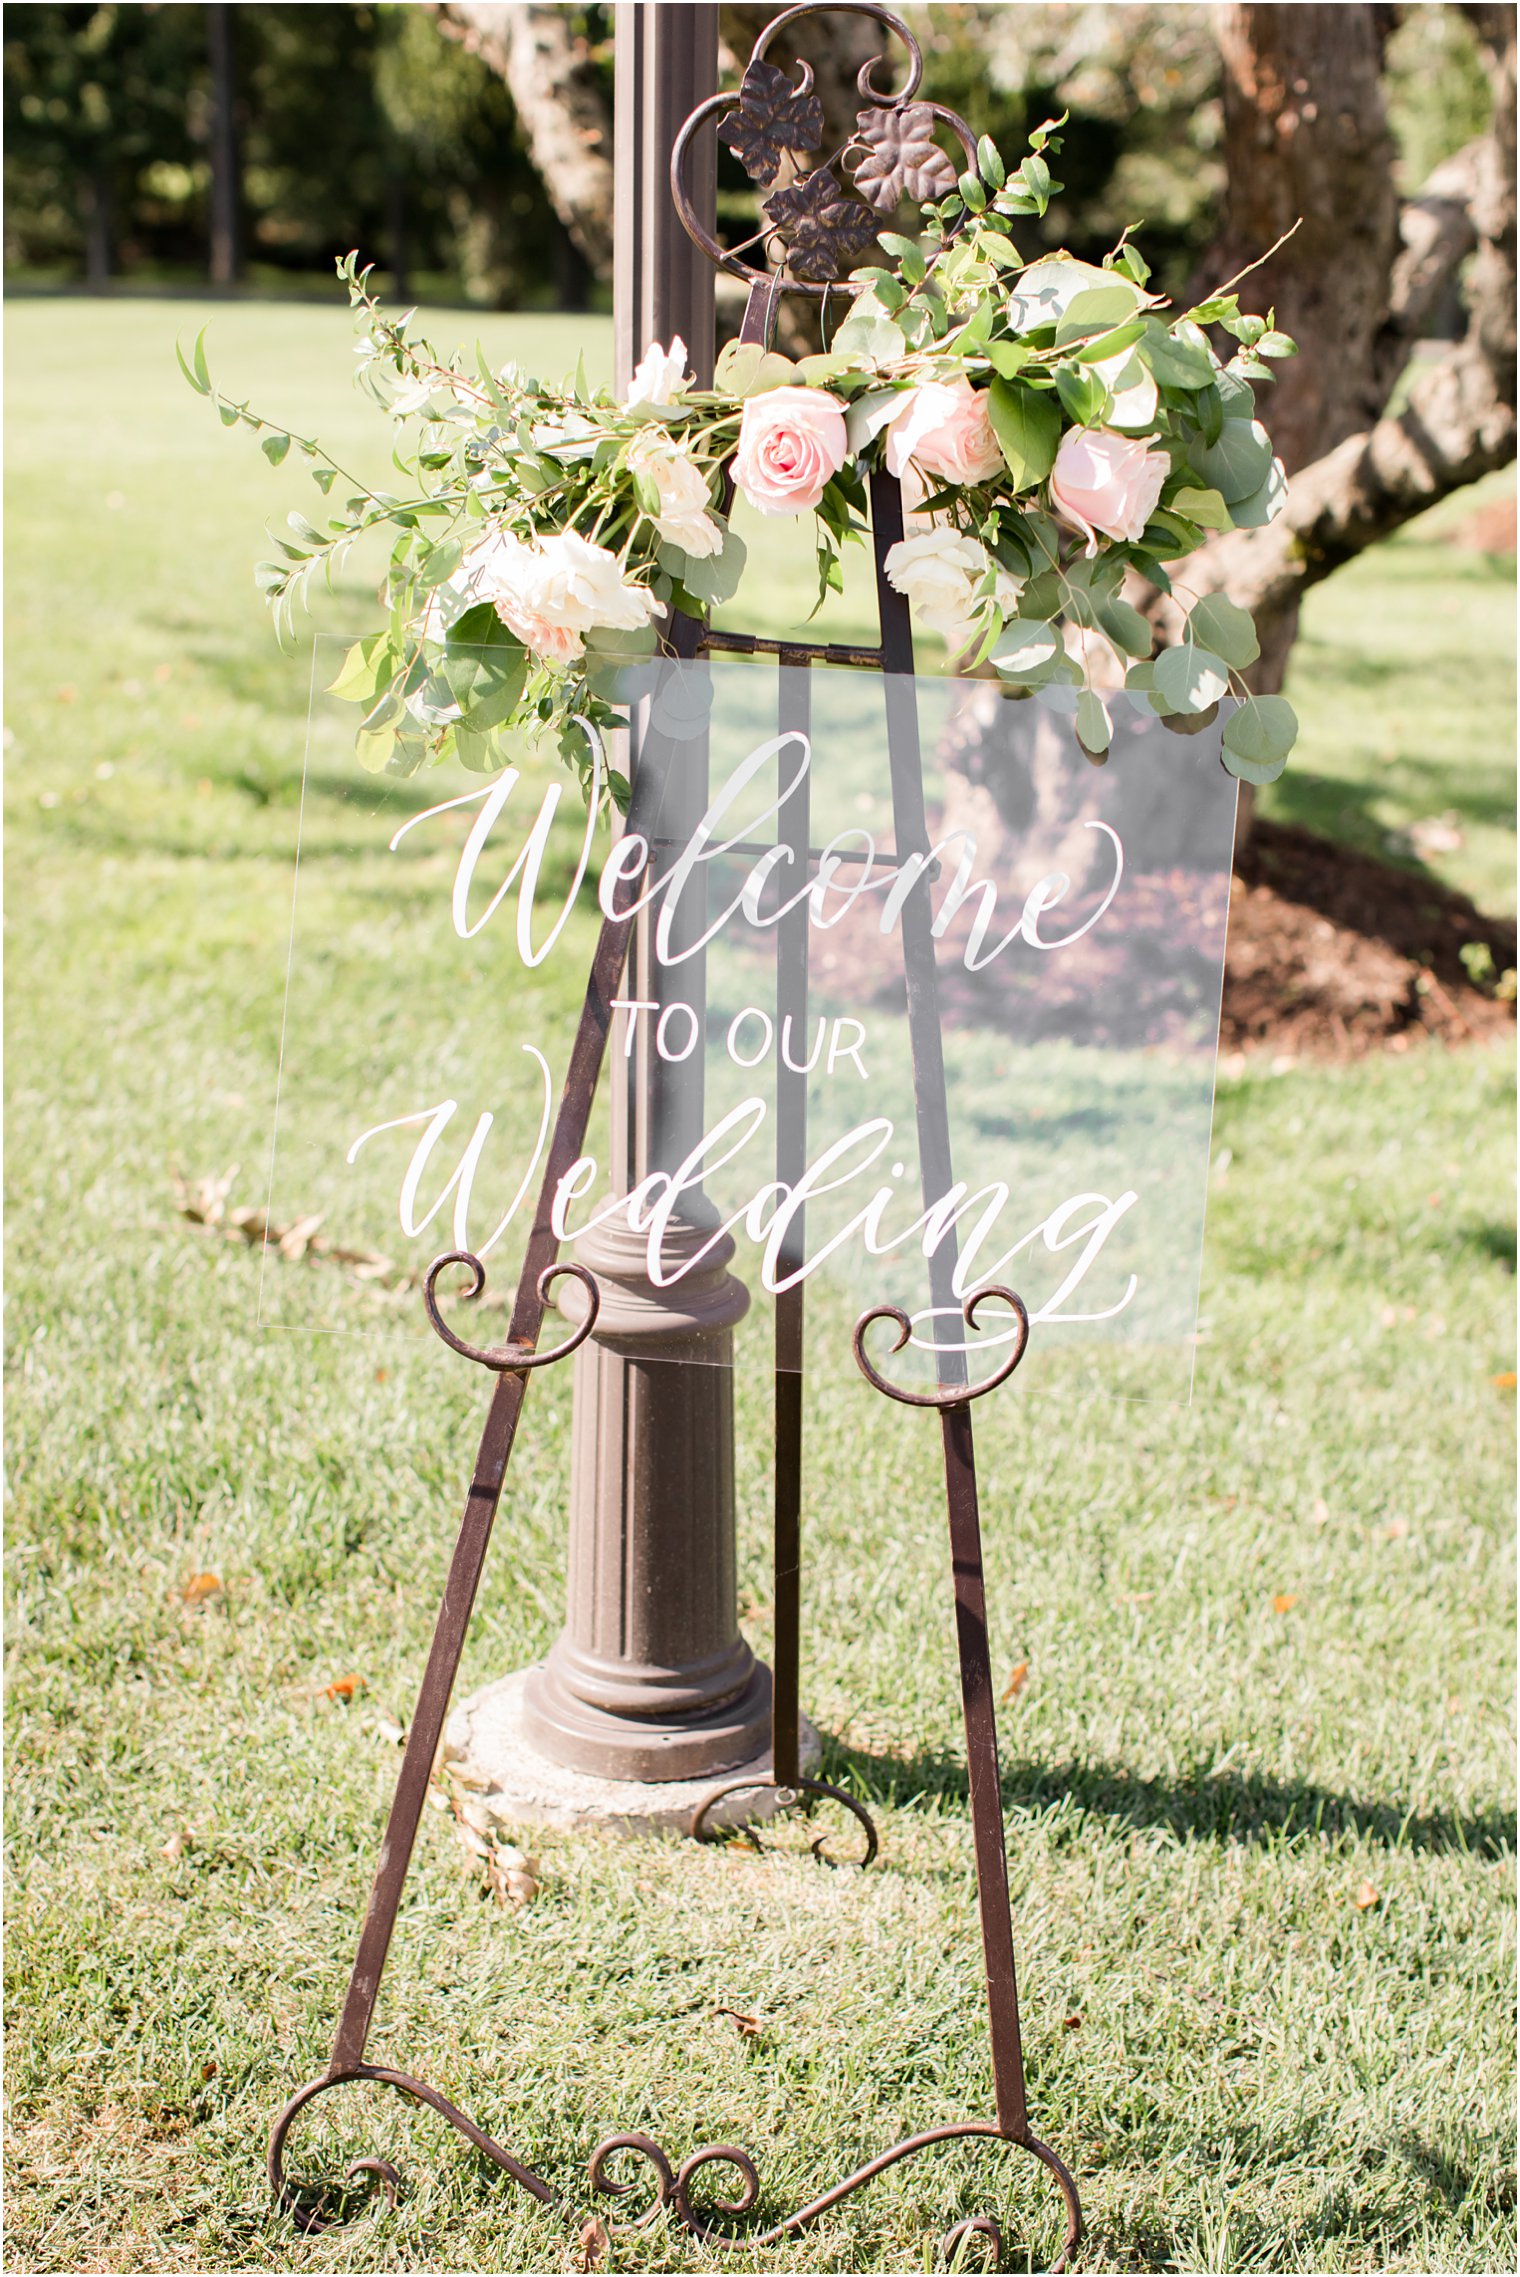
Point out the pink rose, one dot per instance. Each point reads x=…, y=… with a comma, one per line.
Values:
x=1108, y=482
x=941, y=435
x=791, y=440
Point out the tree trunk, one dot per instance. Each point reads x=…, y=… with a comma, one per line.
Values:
x=561, y=106
x=1306, y=141
x=226, y=262
x=98, y=232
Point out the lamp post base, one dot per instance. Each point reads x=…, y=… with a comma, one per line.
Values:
x=502, y=1784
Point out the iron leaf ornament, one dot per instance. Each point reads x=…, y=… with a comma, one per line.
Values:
x=825, y=230
x=902, y=158
x=772, y=120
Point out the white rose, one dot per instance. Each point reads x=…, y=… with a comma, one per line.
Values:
x=553, y=593
x=660, y=378
x=939, y=574
x=683, y=518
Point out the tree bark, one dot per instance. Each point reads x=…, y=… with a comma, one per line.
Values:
x=226, y=252
x=561, y=106
x=1458, y=424
x=1306, y=141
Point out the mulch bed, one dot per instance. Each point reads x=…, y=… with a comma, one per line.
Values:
x=1333, y=954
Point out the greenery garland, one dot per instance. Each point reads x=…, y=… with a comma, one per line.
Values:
x=1056, y=430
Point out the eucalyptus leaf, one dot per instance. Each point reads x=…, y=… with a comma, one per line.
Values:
x=713, y=580
x=1220, y=624
x=1238, y=463
x=1125, y=627
x=1258, y=738
x=1263, y=505
x=873, y=339
x=1027, y=647
x=1094, y=727
x=1190, y=678
x=745, y=368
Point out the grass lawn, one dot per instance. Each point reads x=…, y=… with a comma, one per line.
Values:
x=1258, y=1782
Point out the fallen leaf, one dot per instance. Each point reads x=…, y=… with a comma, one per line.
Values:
x=1366, y=1896
x=747, y=2027
x=200, y=1586
x=1016, y=1682
x=208, y=2068
x=1395, y=1530
x=1071, y=2023
x=594, y=2243
x=382, y=1375
x=1285, y=1600
x=394, y=1735
x=174, y=1847
x=343, y=1687
x=1320, y=1514
x=1504, y=1381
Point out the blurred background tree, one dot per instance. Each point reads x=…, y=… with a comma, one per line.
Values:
x=466, y=146
x=428, y=134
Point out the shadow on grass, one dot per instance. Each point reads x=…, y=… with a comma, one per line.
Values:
x=1241, y=1806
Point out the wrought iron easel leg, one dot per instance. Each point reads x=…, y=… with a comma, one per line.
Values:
x=794, y=716
x=512, y=1362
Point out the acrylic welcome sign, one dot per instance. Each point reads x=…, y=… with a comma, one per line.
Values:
x=919, y=999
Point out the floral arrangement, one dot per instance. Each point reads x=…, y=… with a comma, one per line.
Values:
x=1059, y=432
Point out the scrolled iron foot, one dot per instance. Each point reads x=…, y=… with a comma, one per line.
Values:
x=306, y=2201
x=946, y=1395
x=701, y=1831
x=509, y=1358
x=675, y=2190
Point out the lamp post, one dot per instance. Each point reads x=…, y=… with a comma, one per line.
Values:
x=650, y=1679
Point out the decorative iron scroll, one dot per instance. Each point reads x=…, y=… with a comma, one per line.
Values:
x=821, y=219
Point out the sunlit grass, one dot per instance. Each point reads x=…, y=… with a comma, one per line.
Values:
x=1259, y=1778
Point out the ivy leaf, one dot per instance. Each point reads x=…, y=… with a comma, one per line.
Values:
x=902, y=158
x=1205, y=507
x=1190, y=678
x=197, y=374
x=1258, y=738
x=1094, y=311
x=1084, y=395
x=1221, y=625
x=1028, y=429
x=771, y=119
x=367, y=669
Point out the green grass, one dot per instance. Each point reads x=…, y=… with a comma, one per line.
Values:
x=1268, y=1636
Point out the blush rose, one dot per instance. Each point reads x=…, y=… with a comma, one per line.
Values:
x=792, y=440
x=1107, y=483
x=942, y=435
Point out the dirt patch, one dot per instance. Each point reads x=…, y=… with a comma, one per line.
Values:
x=1333, y=954
x=1490, y=530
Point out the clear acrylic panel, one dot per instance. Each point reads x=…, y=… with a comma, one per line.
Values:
x=920, y=998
